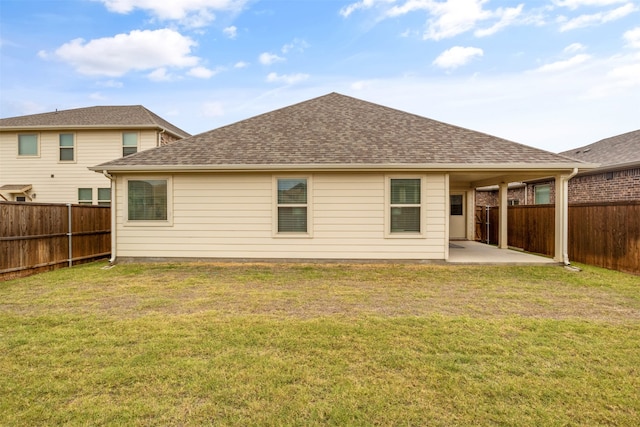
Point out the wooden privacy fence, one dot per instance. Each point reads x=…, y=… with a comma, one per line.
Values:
x=602, y=234
x=37, y=237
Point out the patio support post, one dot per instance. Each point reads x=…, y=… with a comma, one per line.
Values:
x=561, y=252
x=503, y=238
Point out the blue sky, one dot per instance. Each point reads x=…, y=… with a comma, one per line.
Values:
x=554, y=74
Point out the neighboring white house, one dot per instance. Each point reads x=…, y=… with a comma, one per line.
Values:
x=333, y=177
x=45, y=157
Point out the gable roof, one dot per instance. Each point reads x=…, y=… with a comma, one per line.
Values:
x=616, y=151
x=126, y=116
x=336, y=130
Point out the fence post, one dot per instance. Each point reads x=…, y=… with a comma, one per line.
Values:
x=70, y=236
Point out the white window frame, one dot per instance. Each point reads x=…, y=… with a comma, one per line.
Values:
x=388, y=234
x=538, y=187
x=85, y=202
x=73, y=147
x=149, y=223
x=28, y=156
x=122, y=146
x=308, y=205
x=104, y=202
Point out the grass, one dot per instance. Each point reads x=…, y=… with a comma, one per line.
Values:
x=296, y=344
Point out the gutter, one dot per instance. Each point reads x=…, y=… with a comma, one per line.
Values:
x=113, y=216
x=431, y=167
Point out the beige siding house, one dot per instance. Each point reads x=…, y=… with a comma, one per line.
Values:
x=330, y=178
x=45, y=157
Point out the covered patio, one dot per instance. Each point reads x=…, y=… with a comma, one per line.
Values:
x=469, y=252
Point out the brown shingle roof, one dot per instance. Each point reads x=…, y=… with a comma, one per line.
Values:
x=338, y=130
x=127, y=116
x=616, y=150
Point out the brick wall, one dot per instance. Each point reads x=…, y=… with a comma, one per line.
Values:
x=616, y=186
x=605, y=187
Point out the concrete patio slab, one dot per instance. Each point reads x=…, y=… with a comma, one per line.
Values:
x=467, y=252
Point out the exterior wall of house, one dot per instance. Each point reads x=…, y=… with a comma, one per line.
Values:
x=605, y=187
x=515, y=196
x=56, y=181
x=233, y=216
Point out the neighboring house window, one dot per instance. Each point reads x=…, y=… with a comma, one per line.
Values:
x=542, y=194
x=21, y=198
x=405, y=205
x=85, y=196
x=28, y=145
x=513, y=202
x=104, y=196
x=66, y=147
x=292, y=205
x=147, y=200
x=129, y=143
x=456, y=204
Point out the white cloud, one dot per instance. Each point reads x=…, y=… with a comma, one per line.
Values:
x=202, y=72
x=267, y=58
x=160, y=75
x=231, y=32
x=97, y=96
x=286, y=78
x=574, y=4
x=363, y=4
x=212, y=109
x=506, y=18
x=565, y=64
x=457, y=56
x=191, y=13
x=111, y=84
x=574, y=47
x=241, y=64
x=447, y=18
x=598, y=18
x=138, y=50
x=632, y=37
x=298, y=45
x=622, y=78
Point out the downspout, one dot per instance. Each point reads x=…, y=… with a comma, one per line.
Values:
x=113, y=216
x=159, y=143
x=565, y=219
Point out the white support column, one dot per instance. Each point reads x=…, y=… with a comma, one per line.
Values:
x=471, y=214
x=561, y=251
x=503, y=237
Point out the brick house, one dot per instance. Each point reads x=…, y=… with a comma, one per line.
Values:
x=616, y=179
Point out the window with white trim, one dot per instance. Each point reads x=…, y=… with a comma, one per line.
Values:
x=85, y=196
x=129, y=143
x=67, y=150
x=405, y=205
x=28, y=145
x=292, y=205
x=147, y=200
x=104, y=196
x=542, y=194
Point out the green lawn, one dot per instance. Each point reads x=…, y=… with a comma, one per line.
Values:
x=296, y=344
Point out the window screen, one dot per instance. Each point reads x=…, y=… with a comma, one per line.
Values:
x=405, y=205
x=129, y=143
x=147, y=200
x=292, y=205
x=27, y=145
x=66, y=147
